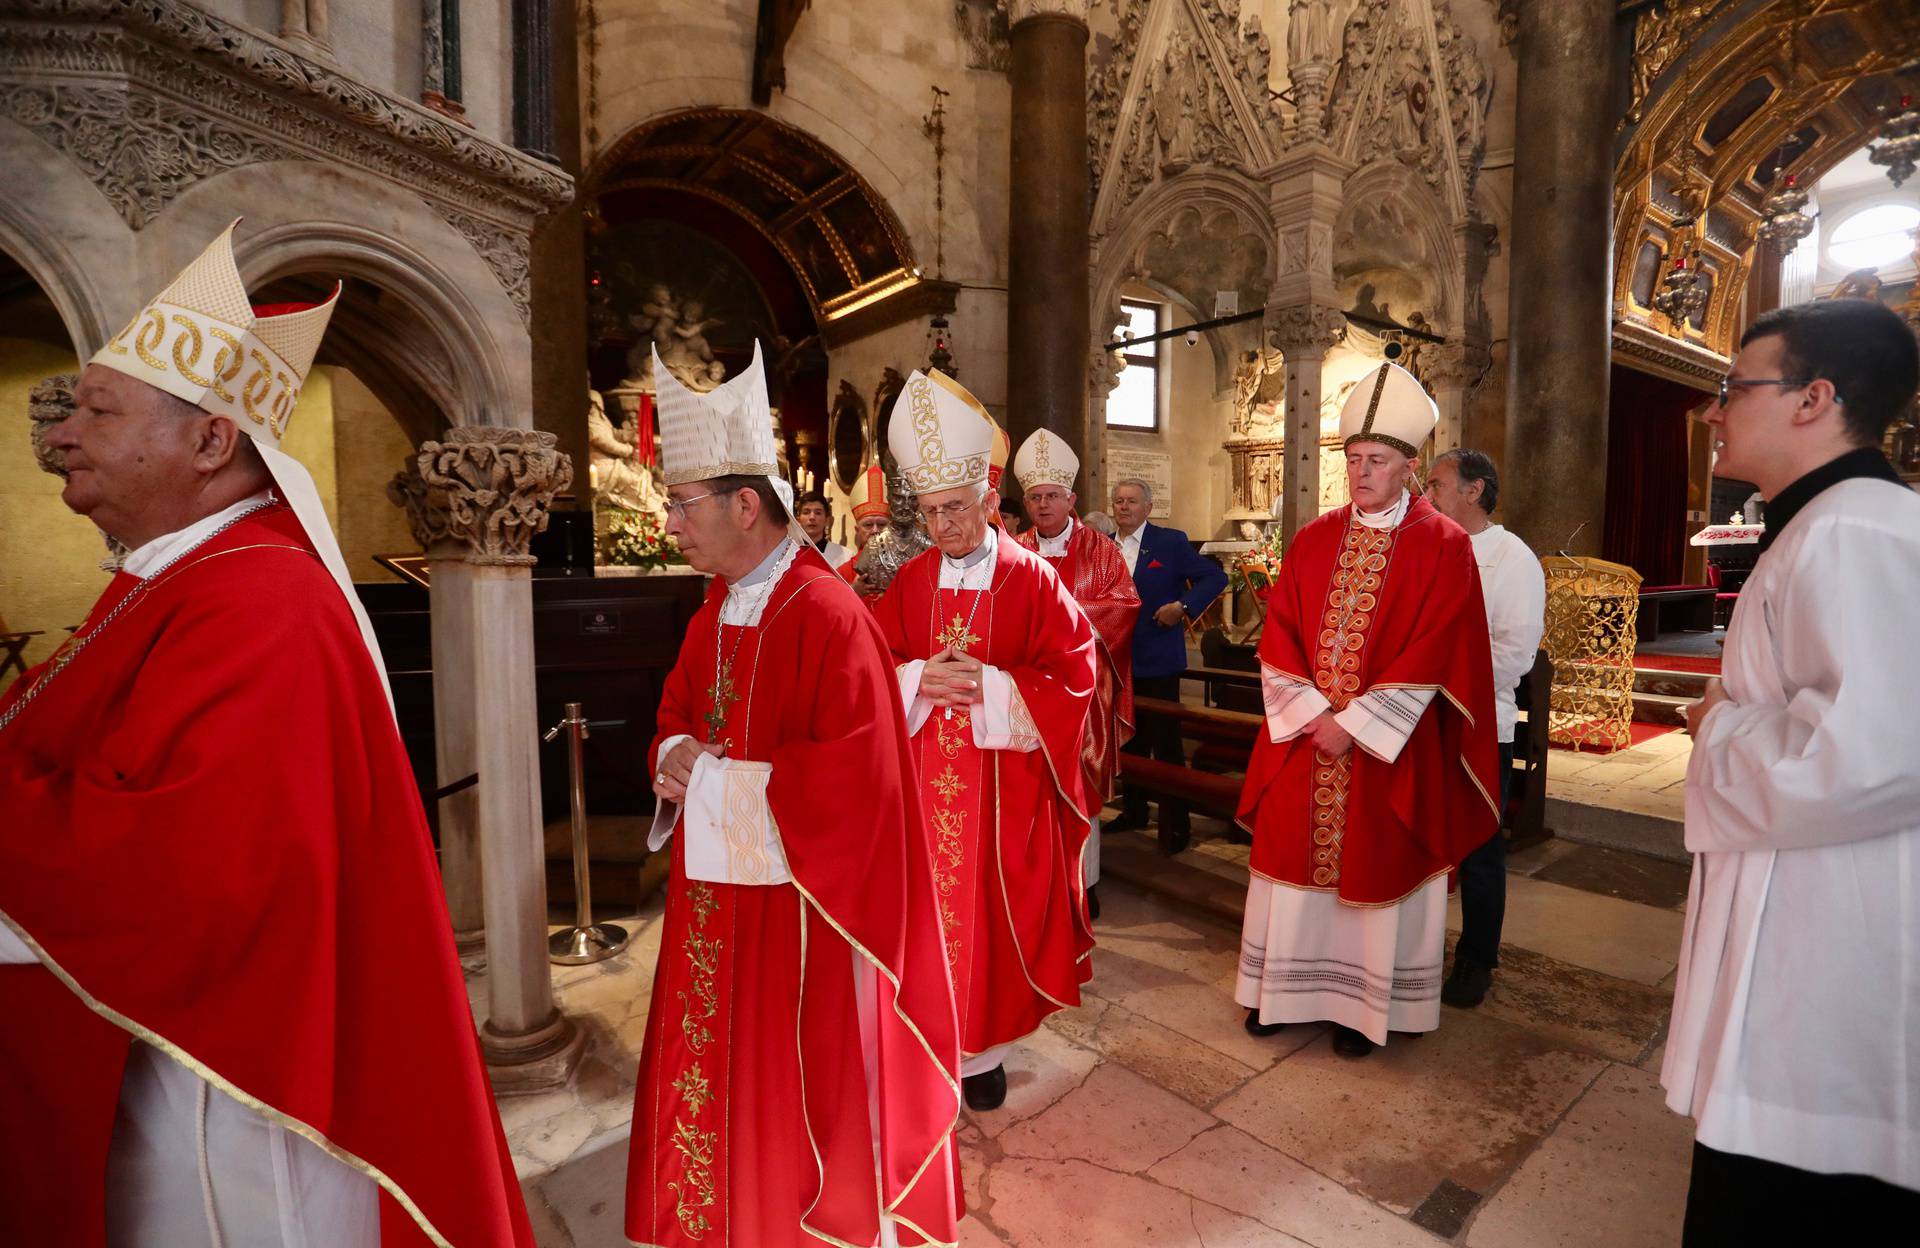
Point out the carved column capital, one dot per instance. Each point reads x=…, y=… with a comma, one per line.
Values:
x=1020, y=10
x=498, y=484
x=1454, y=365
x=48, y=403
x=1306, y=329
x=426, y=507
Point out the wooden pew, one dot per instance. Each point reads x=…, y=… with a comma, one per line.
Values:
x=1223, y=743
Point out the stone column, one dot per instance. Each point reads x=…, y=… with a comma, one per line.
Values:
x=1304, y=318
x=1304, y=334
x=1048, y=331
x=498, y=483
x=1559, y=337
x=452, y=625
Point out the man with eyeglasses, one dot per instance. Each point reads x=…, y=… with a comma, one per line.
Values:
x=1089, y=564
x=801, y=1044
x=996, y=666
x=1796, y=1014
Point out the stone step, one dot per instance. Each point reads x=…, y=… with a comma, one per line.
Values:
x=1661, y=708
x=1655, y=835
x=1688, y=685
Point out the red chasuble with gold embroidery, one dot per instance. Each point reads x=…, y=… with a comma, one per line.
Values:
x=213, y=839
x=1355, y=610
x=1007, y=826
x=1095, y=573
x=755, y=1123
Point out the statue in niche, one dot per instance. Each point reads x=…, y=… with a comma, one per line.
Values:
x=618, y=479
x=1411, y=91
x=1174, y=104
x=1260, y=384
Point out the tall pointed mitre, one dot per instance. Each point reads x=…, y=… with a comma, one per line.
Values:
x=868, y=497
x=726, y=432
x=1390, y=407
x=944, y=438
x=203, y=340
x=1046, y=459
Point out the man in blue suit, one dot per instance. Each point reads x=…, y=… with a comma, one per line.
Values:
x=1176, y=583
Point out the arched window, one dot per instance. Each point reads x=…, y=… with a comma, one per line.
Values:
x=1875, y=236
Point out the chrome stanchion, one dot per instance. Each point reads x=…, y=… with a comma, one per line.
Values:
x=586, y=941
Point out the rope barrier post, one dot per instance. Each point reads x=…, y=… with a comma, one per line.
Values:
x=586, y=941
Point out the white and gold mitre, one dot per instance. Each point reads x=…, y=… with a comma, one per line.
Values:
x=1390, y=407
x=728, y=431
x=202, y=340
x=943, y=438
x=1002, y=450
x=1046, y=459
x=868, y=497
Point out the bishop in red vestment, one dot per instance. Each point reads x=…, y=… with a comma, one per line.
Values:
x=1377, y=772
x=799, y=1079
x=996, y=665
x=868, y=499
x=1095, y=573
x=229, y=1007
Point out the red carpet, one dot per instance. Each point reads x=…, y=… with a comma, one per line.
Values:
x=1678, y=663
x=1637, y=734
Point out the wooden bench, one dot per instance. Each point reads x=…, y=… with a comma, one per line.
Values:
x=1223, y=743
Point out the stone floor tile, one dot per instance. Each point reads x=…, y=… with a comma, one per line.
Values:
x=1166, y=1058
x=1230, y=1168
x=973, y=1234
x=1613, y=1172
x=1201, y=1009
x=1537, y=857
x=588, y=1197
x=1074, y=1204
x=1619, y=938
x=1115, y=1119
x=1619, y=873
x=1214, y=1227
x=1466, y=1103
x=1040, y=1070
x=1574, y=1007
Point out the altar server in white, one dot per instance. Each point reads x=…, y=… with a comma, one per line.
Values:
x=1795, y=1042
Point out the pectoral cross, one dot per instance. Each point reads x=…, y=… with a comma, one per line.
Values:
x=957, y=635
x=721, y=693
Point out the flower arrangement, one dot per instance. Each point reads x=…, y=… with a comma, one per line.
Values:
x=636, y=539
x=1256, y=569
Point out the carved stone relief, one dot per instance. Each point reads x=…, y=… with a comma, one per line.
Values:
x=1199, y=97
x=180, y=95
x=48, y=403
x=1305, y=329
x=498, y=483
x=1413, y=84
x=426, y=507
x=983, y=25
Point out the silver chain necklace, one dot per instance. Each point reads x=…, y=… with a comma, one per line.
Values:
x=65, y=656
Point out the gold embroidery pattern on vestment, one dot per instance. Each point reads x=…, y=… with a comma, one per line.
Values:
x=956, y=635
x=747, y=860
x=697, y=1147
x=1352, y=599
x=947, y=784
x=949, y=734
x=950, y=854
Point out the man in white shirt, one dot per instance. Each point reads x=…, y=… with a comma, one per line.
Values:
x=1465, y=486
x=1795, y=1042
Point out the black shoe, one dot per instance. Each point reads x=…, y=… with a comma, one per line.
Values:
x=1175, y=839
x=1257, y=1028
x=986, y=1090
x=1126, y=821
x=1093, y=902
x=1349, y=1043
x=1467, y=986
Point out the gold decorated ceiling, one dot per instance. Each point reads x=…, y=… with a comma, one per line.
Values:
x=840, y=238
x=1741, y=86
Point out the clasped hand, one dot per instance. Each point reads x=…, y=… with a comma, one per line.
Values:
x=1697, y=712
x=951, y=678
x=670, y=778
x=1329, y=736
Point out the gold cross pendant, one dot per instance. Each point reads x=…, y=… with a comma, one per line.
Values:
x=956, y=636
x=722, y=695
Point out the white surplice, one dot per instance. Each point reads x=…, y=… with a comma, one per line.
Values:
x=1796, y=1016
x=189, y=1166
x=1304, y=956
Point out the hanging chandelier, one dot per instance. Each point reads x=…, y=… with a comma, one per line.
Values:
x=1782, y=224
x=1899, y=142
x=1682, y=295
